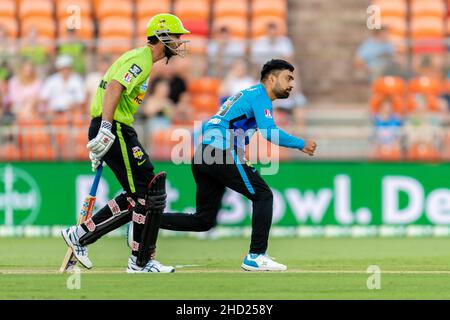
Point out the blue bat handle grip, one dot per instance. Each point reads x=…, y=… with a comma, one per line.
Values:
x=94, y=187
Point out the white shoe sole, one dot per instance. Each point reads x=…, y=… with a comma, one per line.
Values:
x=69, y=244
x=131, y=271
x=250, y=268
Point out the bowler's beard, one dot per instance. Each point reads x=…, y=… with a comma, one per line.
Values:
x=280, y=93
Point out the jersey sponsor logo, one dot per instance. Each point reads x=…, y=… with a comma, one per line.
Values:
x=137, y=153
x=20, y=197
x=228, y=104
x=103, y=84
x=127, y=78
x=214, y=121
x=268, y=114
x=144, y=87
x=140, y=163
x=135, y=70
x=139, y=98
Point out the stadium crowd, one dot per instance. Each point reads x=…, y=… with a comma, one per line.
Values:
x=47, y=82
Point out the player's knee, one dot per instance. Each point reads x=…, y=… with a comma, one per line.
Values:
x=265, y=195
x=206, y=224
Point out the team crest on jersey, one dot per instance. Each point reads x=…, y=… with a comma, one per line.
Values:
x=268, y=114
x=137, y=153
x=135, y=70
x=144, y=87
x=127, y=78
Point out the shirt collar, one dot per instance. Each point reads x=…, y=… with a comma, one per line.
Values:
x=263, y=91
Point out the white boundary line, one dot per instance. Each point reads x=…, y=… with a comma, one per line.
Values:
x=5, y=272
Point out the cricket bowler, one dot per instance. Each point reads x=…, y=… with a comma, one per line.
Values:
x=114, y=141
x=220, y=162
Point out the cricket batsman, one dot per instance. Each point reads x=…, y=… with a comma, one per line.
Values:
x=220, y=162
x=114, y=141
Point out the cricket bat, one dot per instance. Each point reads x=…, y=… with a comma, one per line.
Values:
x=70, y=261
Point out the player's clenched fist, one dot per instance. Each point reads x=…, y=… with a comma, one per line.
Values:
x=103, y=141
x=310, y=147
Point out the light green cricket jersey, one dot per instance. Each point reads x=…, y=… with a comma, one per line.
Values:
x=132, y=70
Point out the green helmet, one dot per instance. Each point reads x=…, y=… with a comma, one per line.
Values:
x=162, y=26
x=165, y=23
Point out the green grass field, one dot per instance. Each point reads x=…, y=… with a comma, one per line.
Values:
x=318, y=269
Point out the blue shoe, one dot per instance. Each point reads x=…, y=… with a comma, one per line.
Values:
x=261, y=262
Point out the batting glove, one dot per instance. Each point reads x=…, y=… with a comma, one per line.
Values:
x=95, y=161
x=103, y=141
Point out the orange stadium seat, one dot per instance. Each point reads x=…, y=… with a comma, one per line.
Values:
x=446, y=87
x=60, y=127
x=115, y=46
x=259, y=25
x=230, y=8
x=396, y=8
x=35, y=8
x=389, y=85
x=388, y=153
x=10, y=152
x=161, y=143
x=428, y=8
x=390, y=88
x=427, y=27
x=81, y=139
x=276, y=8
x=397, y=25
x=205, y=103
x=428, y=34
x=429, y=88
x=197, y=44
x=205, y=85
x=45, y=26
x=238, y=26
x=85, y=32
x=197, y=27
x=425, y=85
x=7, y=8
x=118, y=8
x=65, y=8
x=423, y=152
x=192, y=10
x=10, y=25
x=116, y=27
x=194, y=14
x=146, y=9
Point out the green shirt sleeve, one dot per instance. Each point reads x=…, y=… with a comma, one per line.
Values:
x=130, y=74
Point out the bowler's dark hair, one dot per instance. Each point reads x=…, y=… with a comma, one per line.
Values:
x=274, y=66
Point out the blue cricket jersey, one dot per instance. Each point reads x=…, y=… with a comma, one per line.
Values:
x=241, y=116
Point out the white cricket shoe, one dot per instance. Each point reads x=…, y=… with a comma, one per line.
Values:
x=151, y=266
x=80, y=252
x=261, y=262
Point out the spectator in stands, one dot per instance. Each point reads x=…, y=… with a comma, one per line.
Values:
x=272, y=45
x=175, y=73
x=423, y=127
x=64, y=90
x=387, y=127
x=94, y=78
x=223, y=51
x=446, y=94
x=34, y=50
x=76, y=48
x=236, y=80
x=158, y=107
x=7, y=47
x=376, y=54
x=24, y=89
x=183, y=110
